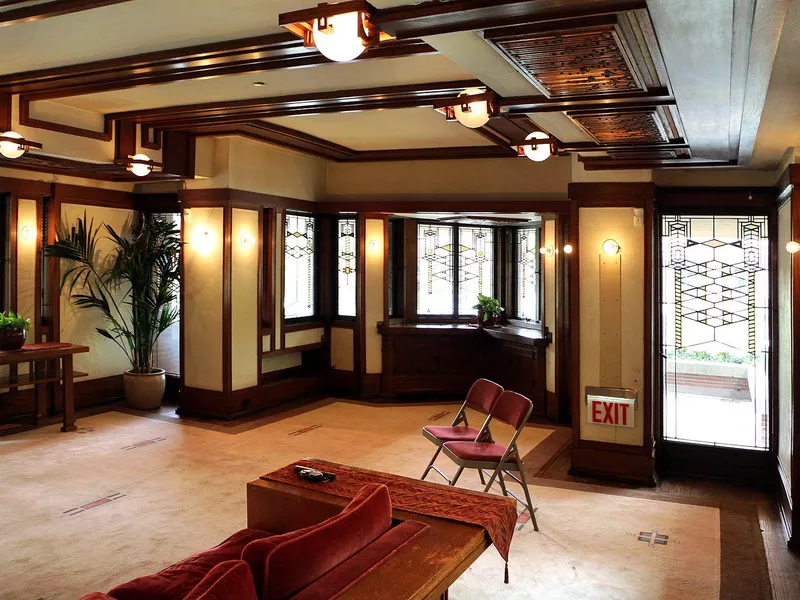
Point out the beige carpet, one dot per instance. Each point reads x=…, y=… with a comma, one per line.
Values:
x=129, y=495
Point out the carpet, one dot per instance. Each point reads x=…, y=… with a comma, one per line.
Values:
x=127, y=495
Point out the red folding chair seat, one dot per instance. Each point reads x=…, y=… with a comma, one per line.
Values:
x=513, y=409
x=482, y=396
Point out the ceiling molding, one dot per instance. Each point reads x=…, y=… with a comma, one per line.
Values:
x=249, y=55
x=523, y=105
x=243, y=111
x=78, y=168
x=21, y=11
x=435, y=17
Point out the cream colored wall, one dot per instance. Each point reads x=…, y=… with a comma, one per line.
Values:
x=549, y=277
x=305, y=337
x=211, y=164
x=270, y=364
x=78, y=326
x=374, y=292
x=503, y=178
x=342, y=348
x=245, y=313
x=595, y=226
x=26, y=263
x=202, y=302
x=785, y=335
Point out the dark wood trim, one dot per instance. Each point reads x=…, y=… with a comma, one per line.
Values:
x=46, y=10
x=227, y=290
x=410, y=271
x=280, y=246
x=434, y=17
x=293, y=349
x=524, y=105
x=148, y=202
x=124, y=139
x=564, y=293
x=360, y=334
x=612, y=164
x=304, y=326
x=5, y=111
x=612, y=194
x=386, y=273
x=28, y=121
x=245, y=111
x=74, y=194
x=247, y=55
x=263, y=260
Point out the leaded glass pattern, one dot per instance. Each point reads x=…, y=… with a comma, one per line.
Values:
x=435, y=256
x=299, y=258
x=527, y=265
x=346, y=267
x=715, y=329
x=475, y=266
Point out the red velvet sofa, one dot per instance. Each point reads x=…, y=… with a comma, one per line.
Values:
x=316, y=563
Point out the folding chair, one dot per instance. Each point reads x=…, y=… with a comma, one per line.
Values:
x=513, y=409
x=482, y=396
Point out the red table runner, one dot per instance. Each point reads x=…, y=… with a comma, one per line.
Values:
x=496, y=514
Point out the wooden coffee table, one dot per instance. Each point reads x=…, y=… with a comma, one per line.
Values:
x=423, y=570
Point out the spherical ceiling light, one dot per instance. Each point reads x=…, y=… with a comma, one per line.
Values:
x=338, y=37
x=140, y=165
x=11, y=149
x=477, y=113
x=611, y=247
x=539, y=152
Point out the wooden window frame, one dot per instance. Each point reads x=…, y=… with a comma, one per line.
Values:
x=334, y=247
x=288, y=322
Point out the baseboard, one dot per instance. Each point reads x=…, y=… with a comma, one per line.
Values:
x=343, y=382
x=371, y=385
x=91, y=392
x=785, y=503
x=608, y=463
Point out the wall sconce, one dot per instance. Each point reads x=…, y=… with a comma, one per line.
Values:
x=27, y=233
x=203, y=240
x=341, y=32
x=568, y=249
x=538, y=146
x=472, y=108
x=548, y=251
x=792, y=247
x=611, y=247
x=245, y=240
x=13, y=145
x=374, y=245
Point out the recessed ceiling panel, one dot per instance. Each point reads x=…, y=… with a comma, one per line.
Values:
x=385, y=129
x=629, y=127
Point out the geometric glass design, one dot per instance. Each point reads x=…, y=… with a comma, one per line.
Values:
x=715, y=329
x=528, y=280
x=475, y=266
x=346, y=267
x=435, y=273
x=299, y=260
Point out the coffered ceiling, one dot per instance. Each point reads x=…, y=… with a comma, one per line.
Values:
x=622, y=83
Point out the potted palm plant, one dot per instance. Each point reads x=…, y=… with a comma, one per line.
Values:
x=489, y=310
x=135, y=289
x=13, y=330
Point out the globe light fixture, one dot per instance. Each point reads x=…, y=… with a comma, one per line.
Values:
x=611, y=247
x=27, y=233
x=568, y=249
x=537, y=152
x=9, y=147
x=792, y=247
x=245, y=240
x=140, y=165
x=548, y=251
x=337, y=37
x=472, y=114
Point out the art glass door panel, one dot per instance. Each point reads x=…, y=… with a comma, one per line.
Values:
x=715, y=330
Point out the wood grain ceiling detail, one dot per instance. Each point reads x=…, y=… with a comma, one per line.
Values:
x=572, y=63
x=630, y=127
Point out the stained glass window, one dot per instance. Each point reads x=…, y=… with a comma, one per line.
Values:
x=475, y=266
x=346, y=268
x=299, y=259
x=527, y=265
x=715, y=306
x=435, y=256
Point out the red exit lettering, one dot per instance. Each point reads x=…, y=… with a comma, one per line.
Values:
x=618, y=414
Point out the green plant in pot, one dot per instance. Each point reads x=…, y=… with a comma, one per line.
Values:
x=489, y=310
x=135, y=289
x=13, y=330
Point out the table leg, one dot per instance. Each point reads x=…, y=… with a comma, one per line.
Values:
x=69, y=396
x=41, y=391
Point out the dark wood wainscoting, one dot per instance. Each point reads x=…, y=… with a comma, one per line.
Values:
x=447, y=359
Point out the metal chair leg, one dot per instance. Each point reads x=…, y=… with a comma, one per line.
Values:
x=457, y=475
x=430, y=464
x=480, y=474
x=497, y=470
x=502, y=484
x=531, y=510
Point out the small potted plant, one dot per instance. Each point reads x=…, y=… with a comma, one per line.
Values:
x=489, y=310
x=13, y=330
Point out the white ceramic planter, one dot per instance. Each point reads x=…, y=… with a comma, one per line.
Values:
x=145, y=391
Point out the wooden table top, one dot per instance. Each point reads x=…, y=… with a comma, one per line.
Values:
x=34, y=352
x=423, y=569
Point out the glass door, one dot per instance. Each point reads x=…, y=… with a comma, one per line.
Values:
x=715, y=298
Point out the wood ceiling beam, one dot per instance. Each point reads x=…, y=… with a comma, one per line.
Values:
x=583, y=147
x=523, y=105
x=241, y=111
x=248, y=55
x=435, y=17
x=21, y=11
x=610, y=164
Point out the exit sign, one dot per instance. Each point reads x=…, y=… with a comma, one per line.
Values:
x=611, y=406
